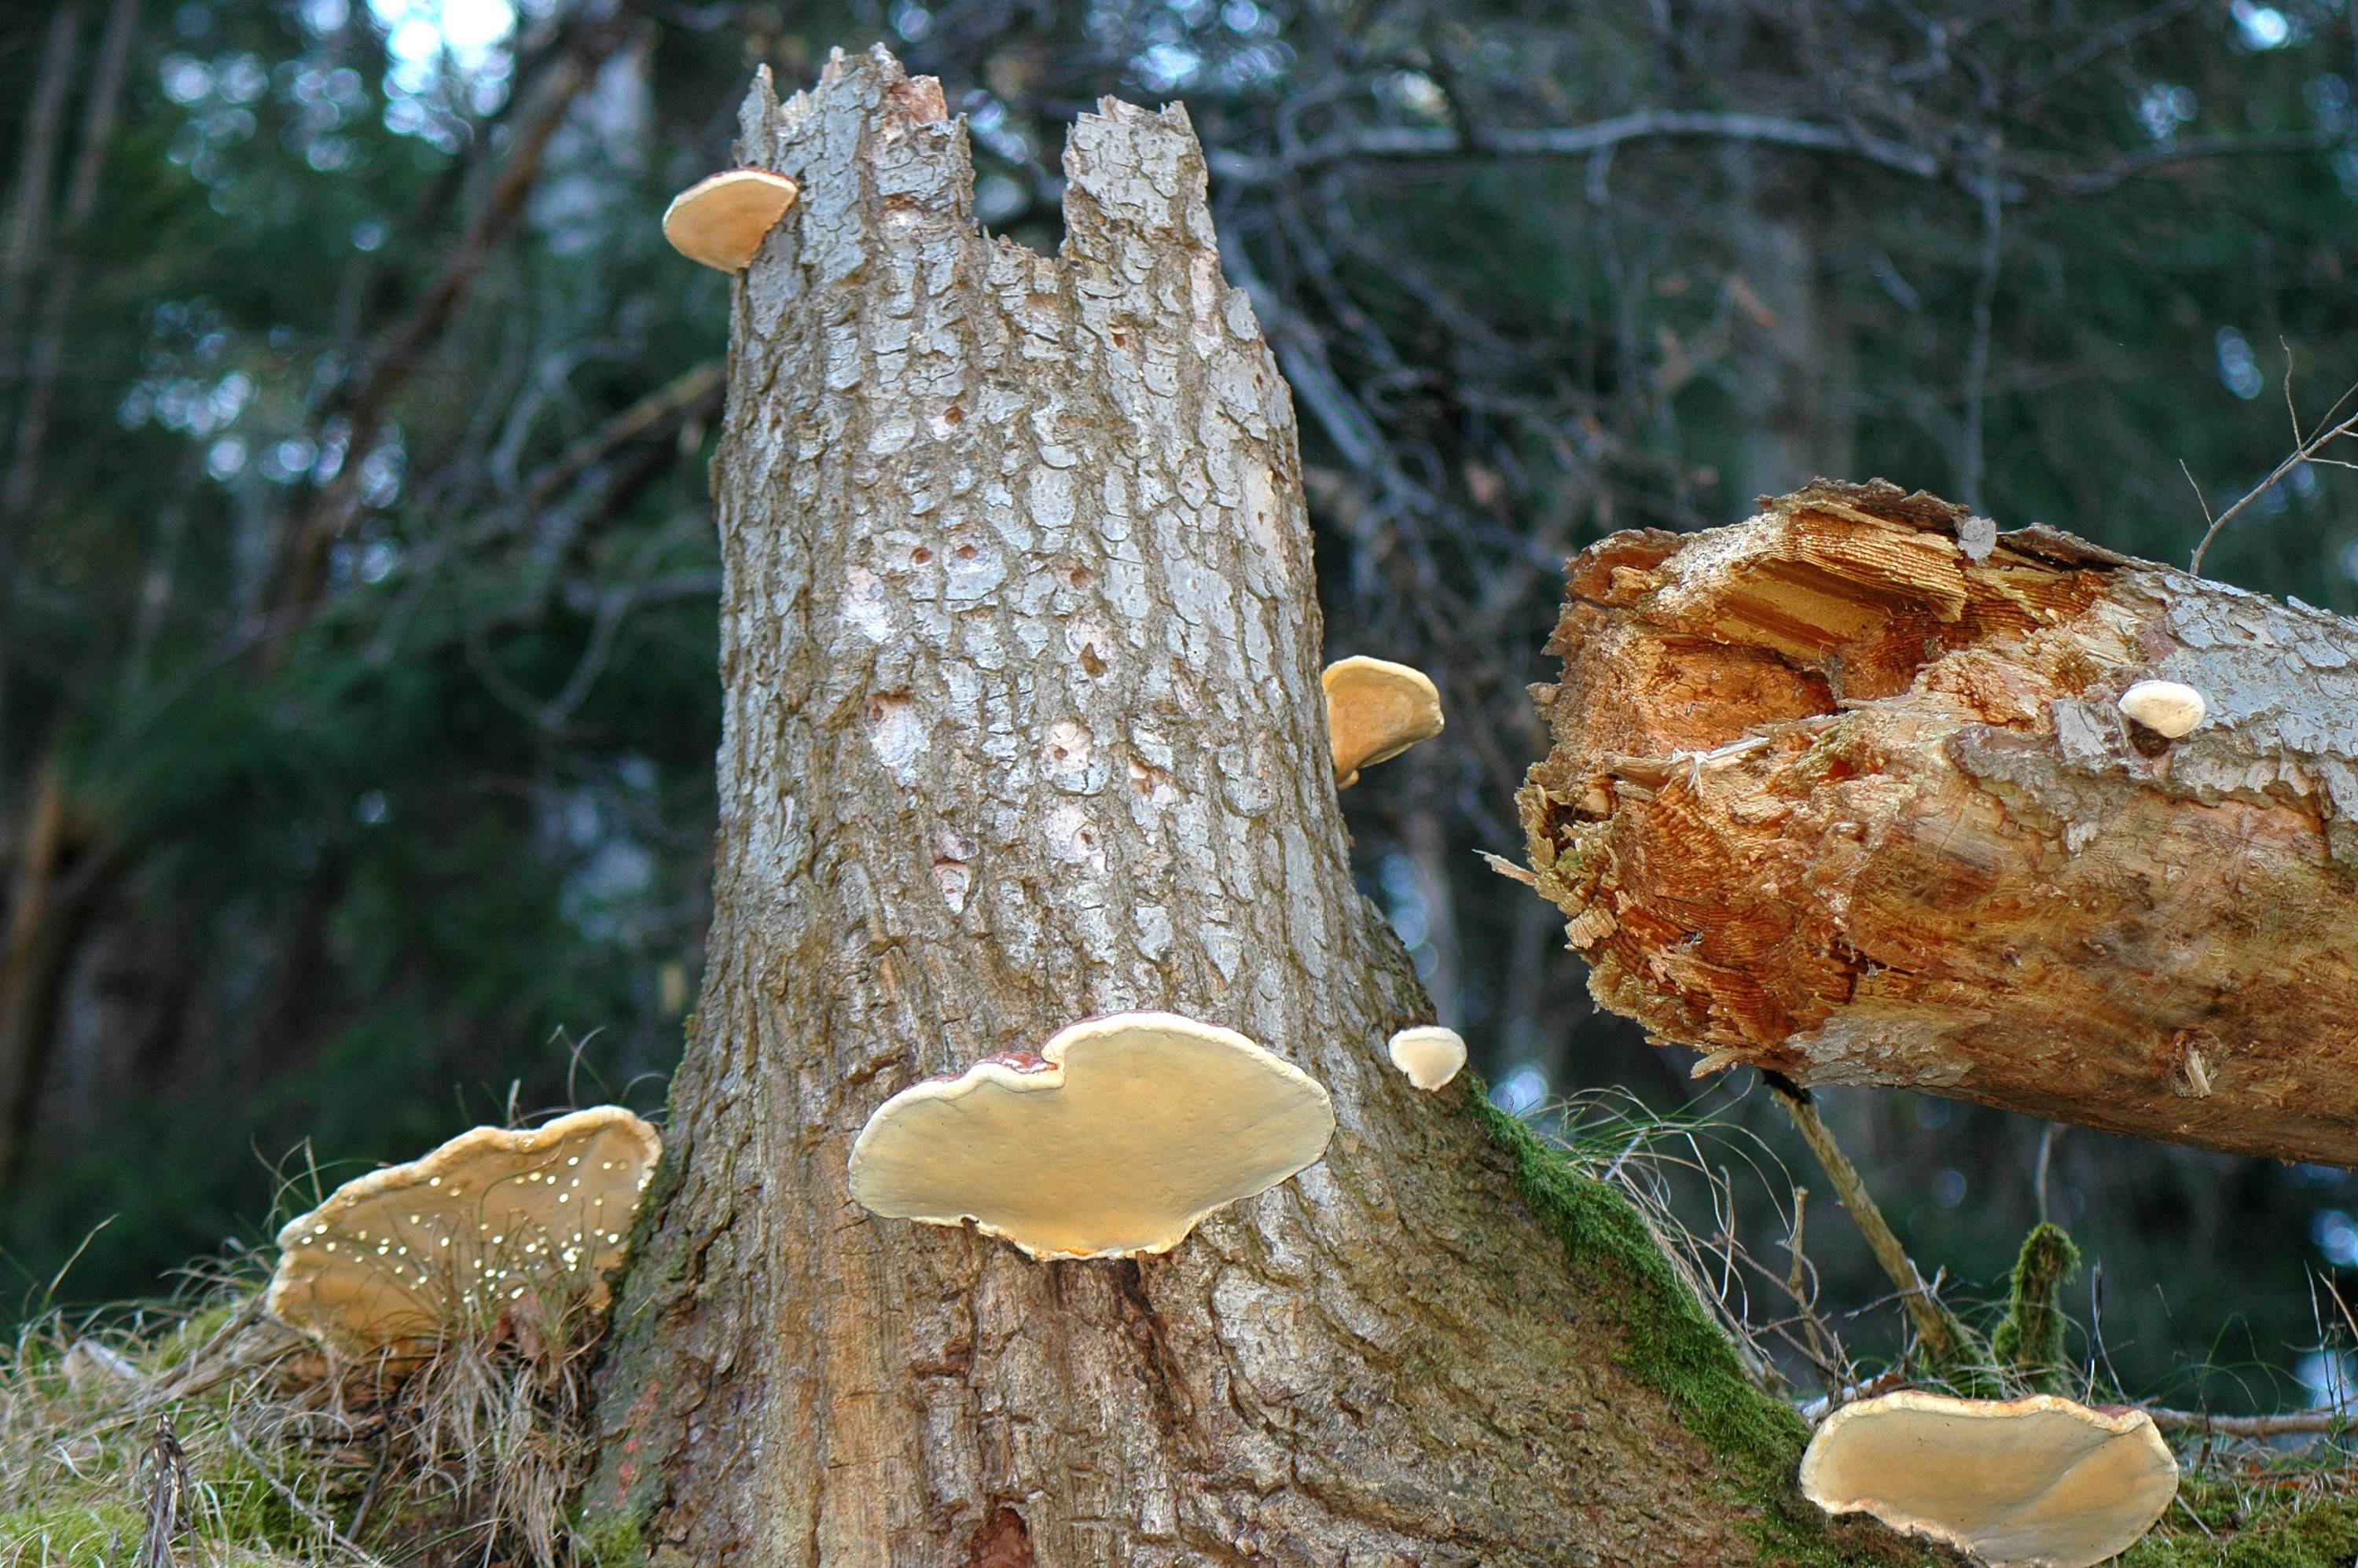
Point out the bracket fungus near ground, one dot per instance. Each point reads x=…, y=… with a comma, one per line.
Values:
x=2039, y=1482
x=723, y=219
x=1430, y=1054
x=1114, y=1142
x=415, y=1252
x=1375, y=710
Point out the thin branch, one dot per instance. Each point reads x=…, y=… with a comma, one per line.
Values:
x=288, y=1495
x=676, y=399
x=1943, y=1337
x=2190, y=149
x=1408, y=142
x=2320, y=1421
x=367, y=397
x=1977, y=357
x=2096, y=46
x=2335, y=426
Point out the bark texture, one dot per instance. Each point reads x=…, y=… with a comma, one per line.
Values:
x=1843, y=792
x=1020, y=657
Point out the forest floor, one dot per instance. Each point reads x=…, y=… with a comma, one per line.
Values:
x=201, y=1422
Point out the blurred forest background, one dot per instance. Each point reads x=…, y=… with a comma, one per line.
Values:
x=357, y=574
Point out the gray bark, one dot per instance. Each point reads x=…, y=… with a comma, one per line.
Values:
x=1022, y=723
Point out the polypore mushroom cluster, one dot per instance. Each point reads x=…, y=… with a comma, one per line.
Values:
x=417, y=1252
x=1113, y=1142
x=2030, y=1483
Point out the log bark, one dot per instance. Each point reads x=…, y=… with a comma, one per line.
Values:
x=1843, y=792
x=1024, y=723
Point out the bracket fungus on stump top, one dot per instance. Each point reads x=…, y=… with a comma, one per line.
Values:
x=409, y=1254
x=2039, y=1482
x=1114, y=1142
x=1375, y=710
x=723, y=219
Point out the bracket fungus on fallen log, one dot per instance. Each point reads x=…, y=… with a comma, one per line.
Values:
x=723, y=219
x=1114, y=1142
x=2171, y=709
x=1375, y=710
x=441, y=1246
x=2039, y=1482
x=1846, y=791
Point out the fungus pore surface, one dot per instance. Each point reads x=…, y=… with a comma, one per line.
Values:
x=2021, y=1482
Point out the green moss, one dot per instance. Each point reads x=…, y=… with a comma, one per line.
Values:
x=2309, y=1532
x=86, y=1536
x=2030, y=1340
x=610, y=1540
x=1673, y=1346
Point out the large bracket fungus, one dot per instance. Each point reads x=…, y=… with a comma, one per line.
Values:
x=417, y=1252
x=723, y=219
x=1375, y=710
x=2032, y=1483
x=1114, y=1142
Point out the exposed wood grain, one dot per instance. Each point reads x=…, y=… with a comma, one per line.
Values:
x=1841, y=791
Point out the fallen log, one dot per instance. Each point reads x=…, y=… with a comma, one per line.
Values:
x=1844, y=791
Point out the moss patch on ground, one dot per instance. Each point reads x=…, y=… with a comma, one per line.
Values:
x=2289, y=1514
x=93, y=1536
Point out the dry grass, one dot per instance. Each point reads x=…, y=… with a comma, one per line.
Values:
x=201, y=1427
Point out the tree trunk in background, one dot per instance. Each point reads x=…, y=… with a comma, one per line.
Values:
x=1843, y=791
x=1792, y=381
x=1021, y=658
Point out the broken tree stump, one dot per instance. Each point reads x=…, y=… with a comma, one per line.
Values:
x=1844, y=791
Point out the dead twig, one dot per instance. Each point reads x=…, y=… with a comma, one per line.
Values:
x=2289, y=1424
x=1943, y=1337
x=168, y=1495
x=2333, y=426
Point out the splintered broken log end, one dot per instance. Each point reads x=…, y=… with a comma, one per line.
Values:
x=1856, y=792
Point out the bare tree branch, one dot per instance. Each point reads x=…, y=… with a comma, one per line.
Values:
x=1410, y=143
x=2335, y=426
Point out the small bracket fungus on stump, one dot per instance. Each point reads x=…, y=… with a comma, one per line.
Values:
x=415, y=1252
x=1375, y=710
x=721, y=220
x=1113, y=1142
x=1430, y=1054
x=2165, y=707
x=2039, y=1481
